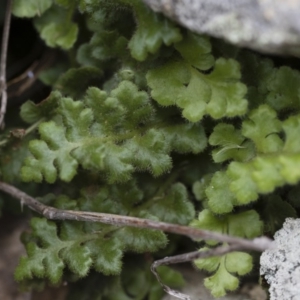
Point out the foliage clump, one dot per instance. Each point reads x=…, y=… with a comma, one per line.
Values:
x=129, y=125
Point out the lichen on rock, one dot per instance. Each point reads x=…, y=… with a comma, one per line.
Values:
x=281, y=265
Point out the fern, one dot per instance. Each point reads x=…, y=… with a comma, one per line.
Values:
x=217, y=94
x=101, y=133
x=145, y=119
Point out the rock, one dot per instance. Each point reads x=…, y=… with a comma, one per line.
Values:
x=281, y=266
x=270, y=26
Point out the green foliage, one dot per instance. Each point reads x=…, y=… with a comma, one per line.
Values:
x=223, y=267
x=101, y=133
x=231, y=144
x=266, y=172
x=50, y=250
x=56, y=27
x=218, y=94
x=227, y=267
x=31, y=112
x=275, y=211
x=262, y=127
x=135, y=282
x=31, y=8
x=50, y=259
x=148, y=39
x=124, y=132
x=245, y=224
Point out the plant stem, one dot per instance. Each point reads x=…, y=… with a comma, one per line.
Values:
x=257, y=244
x=4, y=46
x=27, y=131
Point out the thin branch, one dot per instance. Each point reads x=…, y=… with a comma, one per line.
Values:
x=259, y=244
x=4, y=46
x=189, y=257
x=26, y=132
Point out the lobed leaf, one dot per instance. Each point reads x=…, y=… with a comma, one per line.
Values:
x=231, y=144
x=153, y=30
x=275, y=211
x=245, y=224
x=30, y=8
x=266, y=172
x=263, y=129
x=108, y=133
x=283, y=89
x=224, y=267
x=31, y=112
x=217, y=94
x=220, y=199
x=173, y=207
x=56, y=28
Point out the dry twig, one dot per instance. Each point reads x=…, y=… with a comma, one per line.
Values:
x=189, y=257
x=259, y=244
x=4, y=46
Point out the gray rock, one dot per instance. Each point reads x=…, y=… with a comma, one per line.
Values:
x=271, y=26
x=281, y=266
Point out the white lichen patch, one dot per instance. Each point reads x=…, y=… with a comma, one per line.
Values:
x=281, y=266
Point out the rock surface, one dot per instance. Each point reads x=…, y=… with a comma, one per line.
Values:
x=270, y=26
x=281, y=266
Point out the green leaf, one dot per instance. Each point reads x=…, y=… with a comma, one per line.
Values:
x=141, y=240
x=220, y=199
x=78, y=259
x=51, y=248
x=114, y=199
x=61, y=35
x=196, y=50
x=290, y=127
x=103, y=46
x=186, y=138
x=275, y=211
x=217, y=94
x=206, y=220
x=76, y=81
x=231, y=144
x=31, y=112
x=50, y=75
x=170, y=277
x=102, y=133
x=221, y=282
x=245, y=224
x=224, y=267
x=42, y=163
x=209, y=264
x=109, y=260
x=49, y=260
x=30, y=8
x=57, y=29
x=153, y=30
x=174, y=207
x=242, y=184
x=284, y=89
x=266, y=172
x=200, y=186
x=263, y=129
x=65, y=3
x=11, y=160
